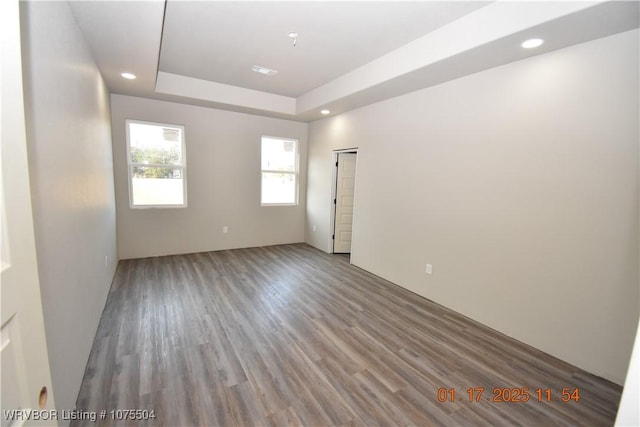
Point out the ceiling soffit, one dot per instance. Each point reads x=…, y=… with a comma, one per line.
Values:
x=457, y=41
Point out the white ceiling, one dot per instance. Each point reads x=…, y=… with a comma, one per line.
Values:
x=348, y=54
x=221, y=41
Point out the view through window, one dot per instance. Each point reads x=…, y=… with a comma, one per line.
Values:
x=157, y=166
x=279, y=171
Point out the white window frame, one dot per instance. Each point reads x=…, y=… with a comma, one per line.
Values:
x=131, y=165
x=295, y=173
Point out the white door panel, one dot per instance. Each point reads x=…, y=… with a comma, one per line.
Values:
x=24, y=370
x=345, y=186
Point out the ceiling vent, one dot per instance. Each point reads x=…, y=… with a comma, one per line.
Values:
x=264, y=70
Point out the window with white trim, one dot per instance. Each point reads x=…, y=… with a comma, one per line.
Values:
x=279, y=171
x=157, y=165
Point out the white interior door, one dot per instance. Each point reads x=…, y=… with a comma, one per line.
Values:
x=24, y=370
x=345, y=186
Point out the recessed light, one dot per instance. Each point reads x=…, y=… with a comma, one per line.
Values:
x=128, y=76
x=532, y=43
x=263, y=70
x=325, y=112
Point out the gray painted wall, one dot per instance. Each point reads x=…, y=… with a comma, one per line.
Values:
x=519, y=184
x=223, y=182
x=71, y=172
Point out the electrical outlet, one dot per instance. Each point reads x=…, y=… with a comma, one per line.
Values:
x=106, y=261
x=429, y=269
x=314, y=228
x=225, y=229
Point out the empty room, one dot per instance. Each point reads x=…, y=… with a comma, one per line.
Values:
x=197, y=202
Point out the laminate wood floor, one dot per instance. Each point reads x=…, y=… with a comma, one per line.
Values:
x=288, y=335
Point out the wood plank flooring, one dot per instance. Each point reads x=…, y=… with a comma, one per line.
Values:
x=288, y=335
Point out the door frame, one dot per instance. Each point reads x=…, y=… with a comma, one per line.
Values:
x=334, y=186
x=23, y=344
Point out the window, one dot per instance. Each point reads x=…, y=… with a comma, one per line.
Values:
x=279, y=171
x=157, y=165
